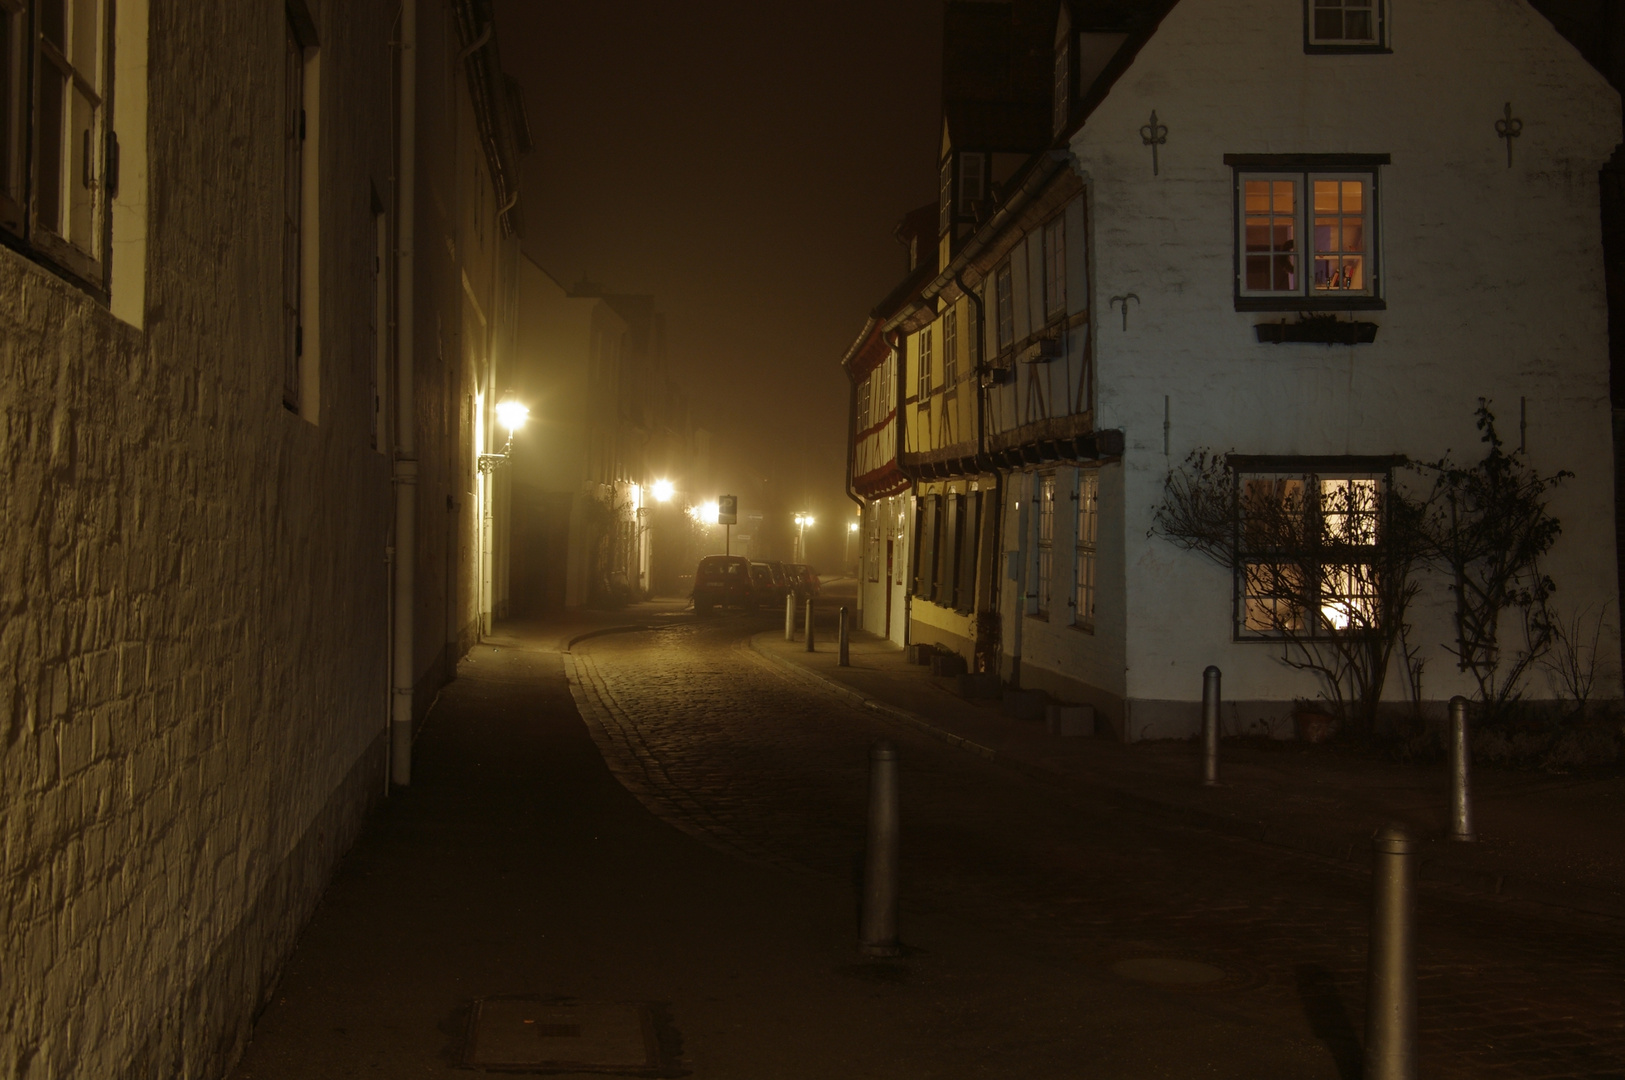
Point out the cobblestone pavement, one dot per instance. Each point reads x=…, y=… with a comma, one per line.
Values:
x=721, y=743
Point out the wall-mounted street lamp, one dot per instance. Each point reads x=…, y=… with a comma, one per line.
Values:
x=663, y=490
x=511, y=414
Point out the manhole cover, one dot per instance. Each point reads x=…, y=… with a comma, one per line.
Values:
x=534, y=1035
x=1167, y=971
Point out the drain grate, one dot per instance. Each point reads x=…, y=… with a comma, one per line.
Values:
x=526, y=1034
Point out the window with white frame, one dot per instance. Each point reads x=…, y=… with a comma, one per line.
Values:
x=57, y=162
x=872, y=515
x=1083, y=599
x=1055, y=268
x=950, y=349
x=1045, y=546
x=885, y=372
x=1310, y=554
x=1344, y=25
x=1306, y=239
x=923, y=390
x=1004, y=307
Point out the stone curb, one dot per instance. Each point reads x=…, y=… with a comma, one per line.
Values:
x=1276, y=834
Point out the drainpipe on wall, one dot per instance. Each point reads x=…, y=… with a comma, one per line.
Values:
x=984, y=460
x=406, y=462
x=899, y=426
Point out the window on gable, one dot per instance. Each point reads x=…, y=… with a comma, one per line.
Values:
x=1004, y=307
x=923, y=390
x=1062, y=104
x=950, y=349
x=1344, y=25
x=1310, y=553
x=54, y=179
x=863, y=406
x=1055, y=268
x=971, y=183
x=1306, y=239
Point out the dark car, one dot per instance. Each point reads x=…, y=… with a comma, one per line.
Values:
x=770, y=583
x=804, y=580
x=724, y=581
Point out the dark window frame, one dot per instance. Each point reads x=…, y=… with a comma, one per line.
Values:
x=1316, y=468
x=1378, y=47
x=1308, y=165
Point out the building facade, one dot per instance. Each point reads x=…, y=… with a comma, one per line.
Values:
x=211, y=305
x=1315, y=283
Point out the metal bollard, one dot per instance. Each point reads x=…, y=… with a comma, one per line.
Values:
x=877, y=935
x=810, y=625
x=1390, y=1036
x=789, y=616
x=1210, y=726
x=1461, y=800
x=846, y=645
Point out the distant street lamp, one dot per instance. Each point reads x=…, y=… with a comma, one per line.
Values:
x=803, y=523
x=851, y=530
x=511, y=414
x=662, y=490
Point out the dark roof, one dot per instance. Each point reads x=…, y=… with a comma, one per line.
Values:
x=998, y=126
x=997, y=50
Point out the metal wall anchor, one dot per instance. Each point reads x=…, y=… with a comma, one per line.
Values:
x=1155, y=135
x=1114, y=301
x=1509, y=128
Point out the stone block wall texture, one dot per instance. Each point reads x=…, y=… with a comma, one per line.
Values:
x=193, y=586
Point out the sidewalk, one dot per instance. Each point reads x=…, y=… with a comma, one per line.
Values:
x=1545, y=838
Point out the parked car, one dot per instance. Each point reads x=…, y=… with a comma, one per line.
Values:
x=770, y=582
x=724, y=581
x=804, y=580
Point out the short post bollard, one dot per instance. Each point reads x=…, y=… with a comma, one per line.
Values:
x=846, y=648
x=1210, y=726
x=810, y=624
x=1390, y=1036
x=877, y=935
x=789, y=616
x=1461, y=800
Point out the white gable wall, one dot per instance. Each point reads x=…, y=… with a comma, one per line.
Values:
x=1493, y=280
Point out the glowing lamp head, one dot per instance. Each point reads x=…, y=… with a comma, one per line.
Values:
x=662, y=490
x=851, y=526
x=511, y=413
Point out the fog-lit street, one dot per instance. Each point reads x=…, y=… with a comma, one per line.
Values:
x=693, y=837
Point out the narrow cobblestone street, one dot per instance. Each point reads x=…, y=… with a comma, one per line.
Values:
x=721, y=744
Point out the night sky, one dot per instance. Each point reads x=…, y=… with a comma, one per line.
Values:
x=745, y=163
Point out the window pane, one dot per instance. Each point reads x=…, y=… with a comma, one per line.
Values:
x=83, y=182
x=53, y=22
x=1339, y=235
x=84, y=51
x=48, y=173
x=1269, y=235
x=1273, y=597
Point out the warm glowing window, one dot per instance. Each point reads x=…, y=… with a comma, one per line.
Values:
x=1310, y=550
x=54, y=139
x=1306, y=236
x=1083, y=599
x=923, y=390
x=1345, y=22
x=1045, y=546
x=950, y=349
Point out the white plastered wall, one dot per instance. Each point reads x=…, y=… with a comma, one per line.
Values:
x=1493, y=281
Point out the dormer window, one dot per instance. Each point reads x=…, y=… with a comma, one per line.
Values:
x=1344, y=25
x=1063, y=89
x=971, y=186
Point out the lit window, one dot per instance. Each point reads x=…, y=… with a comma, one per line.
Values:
x=1046, y=545
x=1309, y=252
x=54, y=199
x=1004, y=307
x=923, y=391
x=1055, y=268
x=1356, y=23
x=950, y=349
x=1083, y=600
x=1310, y=560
